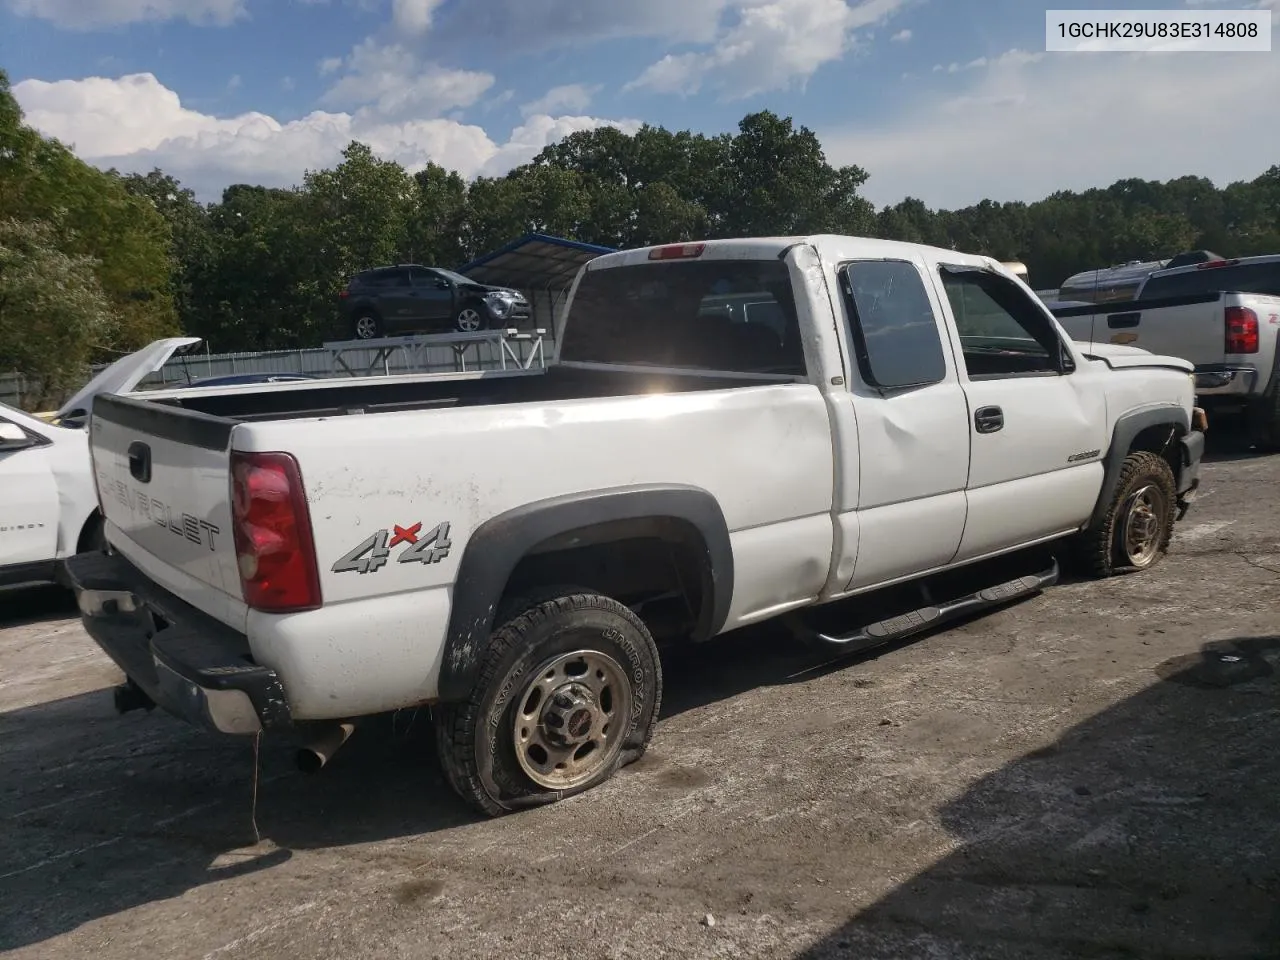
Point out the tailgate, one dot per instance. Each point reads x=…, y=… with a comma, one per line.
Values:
x=163, y=477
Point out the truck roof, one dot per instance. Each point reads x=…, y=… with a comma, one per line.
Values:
x=763, y=248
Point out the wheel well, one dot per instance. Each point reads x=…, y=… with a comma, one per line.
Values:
x=659, y=567
x=1161, y=439
x=91, y=524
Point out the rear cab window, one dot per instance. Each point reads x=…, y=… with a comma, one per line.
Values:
x=1261, y=277
x=720, y=315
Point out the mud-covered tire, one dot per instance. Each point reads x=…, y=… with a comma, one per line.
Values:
x=476, y=739
x=1101, y=549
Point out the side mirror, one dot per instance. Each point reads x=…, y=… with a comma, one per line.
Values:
x=442, y=284
x=13, y=437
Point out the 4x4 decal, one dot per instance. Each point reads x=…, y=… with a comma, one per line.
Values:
x=373, y=553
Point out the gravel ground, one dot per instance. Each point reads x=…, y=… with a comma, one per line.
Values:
x=1089, y=773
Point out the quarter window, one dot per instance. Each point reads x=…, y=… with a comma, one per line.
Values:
x=892, y=325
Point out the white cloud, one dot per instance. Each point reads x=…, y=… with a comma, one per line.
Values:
x=902, y=36
x=234, y=82
x=329, y=65
x=1023, y=125
x=135, y=123
x=94, y=14
x=413, y=16
x=390, y=81
x=772, y=45
x=571, y=97
x=544, y=24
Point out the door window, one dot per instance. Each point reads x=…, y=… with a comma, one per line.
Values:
x=1003, y=333
x=892, y=325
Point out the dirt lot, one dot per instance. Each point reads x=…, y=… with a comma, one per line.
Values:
x=1090, y=773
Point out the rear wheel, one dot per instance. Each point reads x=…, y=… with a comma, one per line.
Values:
x=567, y=694
x=1133, y=534
x=366, y=326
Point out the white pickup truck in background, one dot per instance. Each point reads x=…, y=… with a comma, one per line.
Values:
x=1221, y=315
x=872, y=420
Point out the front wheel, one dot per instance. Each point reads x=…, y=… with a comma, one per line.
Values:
x=1133, y=534
x=470, y=319
x=567, y=694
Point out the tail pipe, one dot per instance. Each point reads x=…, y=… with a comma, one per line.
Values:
x=316, y=754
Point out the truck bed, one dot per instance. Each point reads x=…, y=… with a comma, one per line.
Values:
x=355, y=396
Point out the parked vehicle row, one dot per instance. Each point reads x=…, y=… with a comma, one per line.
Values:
x=1221, y=315
x=732, y=431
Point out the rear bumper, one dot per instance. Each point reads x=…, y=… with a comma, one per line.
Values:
x=189, y=664
x=1226, y=381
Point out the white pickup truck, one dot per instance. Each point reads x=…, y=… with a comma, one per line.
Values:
x=1221, y=315
x=731, y=431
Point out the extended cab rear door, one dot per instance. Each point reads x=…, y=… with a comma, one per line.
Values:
x=912, y=454
x=1036, y=425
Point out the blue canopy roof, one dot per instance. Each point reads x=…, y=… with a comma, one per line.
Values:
x=534, y=262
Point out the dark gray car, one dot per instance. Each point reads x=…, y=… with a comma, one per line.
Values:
x=415, y=299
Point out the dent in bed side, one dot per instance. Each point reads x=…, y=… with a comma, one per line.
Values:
x=1128, y=427
x=498, y=545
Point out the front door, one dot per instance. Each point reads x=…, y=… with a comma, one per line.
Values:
x=28, y=502
x=432, y=293
x=401, y=310
x=911, y=422
x=1036, y=425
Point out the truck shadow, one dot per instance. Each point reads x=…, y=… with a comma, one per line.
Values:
x=1148, y=830
x=28, y=604
x=1227, y=441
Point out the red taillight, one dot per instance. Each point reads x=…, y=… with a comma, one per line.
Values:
x=1242, y=330
x=343, y=294
x=1215, y=264
x=678, y=251
x=275, y=551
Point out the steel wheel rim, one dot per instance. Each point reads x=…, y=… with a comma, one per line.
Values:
x=469, y=321
x=366, y=328
x=571, y=718
x=1143, y=524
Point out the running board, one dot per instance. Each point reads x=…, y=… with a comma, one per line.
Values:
x=896, y=628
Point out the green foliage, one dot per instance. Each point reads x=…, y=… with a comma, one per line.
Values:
x=75, y=216
x=262, y=268
x=52, y=307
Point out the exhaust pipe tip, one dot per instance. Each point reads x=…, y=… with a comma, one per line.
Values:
x=312, y=757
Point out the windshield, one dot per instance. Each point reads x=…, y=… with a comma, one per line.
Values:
x=455, y=277
x=734, y=316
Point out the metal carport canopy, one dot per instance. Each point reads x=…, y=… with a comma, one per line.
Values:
x=534, y=262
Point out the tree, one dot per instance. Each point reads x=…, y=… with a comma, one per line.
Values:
x=93, y=218
x=52, y=308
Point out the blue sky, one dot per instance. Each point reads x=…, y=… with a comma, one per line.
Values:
x=948, y=100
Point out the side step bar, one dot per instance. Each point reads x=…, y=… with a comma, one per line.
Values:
x=896, y=628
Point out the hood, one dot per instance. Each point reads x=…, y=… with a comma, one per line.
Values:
x=1117, y=355
x=125, y=374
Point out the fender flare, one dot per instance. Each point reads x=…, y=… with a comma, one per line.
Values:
x=1127, y=428
x=500, y=543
